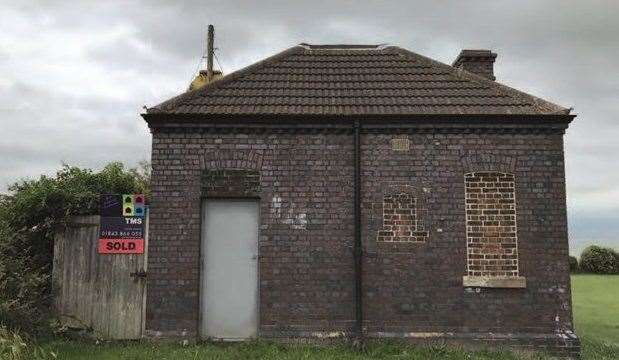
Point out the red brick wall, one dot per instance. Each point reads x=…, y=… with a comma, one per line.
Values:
x=306, y=234
x=492, y=248
x=400, y=223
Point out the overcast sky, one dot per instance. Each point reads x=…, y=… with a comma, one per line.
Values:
x=74, y=75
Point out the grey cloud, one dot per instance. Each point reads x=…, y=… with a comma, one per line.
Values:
x=52, y=129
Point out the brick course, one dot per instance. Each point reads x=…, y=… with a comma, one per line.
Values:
x=400, y=222
x=305, y=186
x=491, y=224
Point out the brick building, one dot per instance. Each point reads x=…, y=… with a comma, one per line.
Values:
x=393, y=196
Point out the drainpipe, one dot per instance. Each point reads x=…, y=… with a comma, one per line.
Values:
x=358, y=250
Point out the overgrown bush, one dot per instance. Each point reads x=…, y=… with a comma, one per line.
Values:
x=573, y=264
x=599, y=260
x=30, y=215
x=14, y=346
x=24, y=289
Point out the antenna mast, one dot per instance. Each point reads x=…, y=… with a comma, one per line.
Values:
x=209, y=52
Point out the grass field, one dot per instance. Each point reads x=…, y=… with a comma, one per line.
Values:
x=596, y=312
x=596, y=307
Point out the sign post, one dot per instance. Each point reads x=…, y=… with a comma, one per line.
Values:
x=121, y=229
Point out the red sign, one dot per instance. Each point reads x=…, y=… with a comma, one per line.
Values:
x=121, y=246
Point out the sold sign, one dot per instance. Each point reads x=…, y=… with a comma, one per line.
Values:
x=121, y=246
x=121, y=228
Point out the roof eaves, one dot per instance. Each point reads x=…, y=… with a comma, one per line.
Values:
x=375, y=120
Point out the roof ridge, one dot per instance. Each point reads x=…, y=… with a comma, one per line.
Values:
x=541, y=104
x=235, y=75
x=342, y=46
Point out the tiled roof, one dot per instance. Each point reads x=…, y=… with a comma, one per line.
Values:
x=354, y=80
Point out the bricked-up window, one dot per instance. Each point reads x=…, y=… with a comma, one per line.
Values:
x=491, y=224
x=400, y=220
x=400, y=143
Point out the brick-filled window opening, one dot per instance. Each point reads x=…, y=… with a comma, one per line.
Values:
x=400, y=220
x=491, y=224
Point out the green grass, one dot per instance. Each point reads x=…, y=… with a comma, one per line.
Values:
x=266, y=350
x=596, y=314
x=595, y=301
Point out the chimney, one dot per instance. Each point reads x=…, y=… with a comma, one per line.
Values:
x=480, y=62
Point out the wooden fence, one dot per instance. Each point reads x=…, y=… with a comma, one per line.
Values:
x=98, y=291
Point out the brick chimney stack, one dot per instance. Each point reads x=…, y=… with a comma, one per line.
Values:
x=480, y=62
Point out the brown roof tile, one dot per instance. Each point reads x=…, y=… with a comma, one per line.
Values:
x=345, y=80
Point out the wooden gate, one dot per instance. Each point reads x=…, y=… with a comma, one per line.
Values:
x=104, y=292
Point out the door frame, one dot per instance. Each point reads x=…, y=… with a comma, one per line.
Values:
x=202, y=270
x=145, y=268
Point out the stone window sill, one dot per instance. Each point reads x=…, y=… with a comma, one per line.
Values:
x=515, y=282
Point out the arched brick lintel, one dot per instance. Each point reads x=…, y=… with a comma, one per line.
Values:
x=232, y=159
x=231, y=173
x=488, y=162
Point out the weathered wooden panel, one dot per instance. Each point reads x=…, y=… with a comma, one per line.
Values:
x=96, y=290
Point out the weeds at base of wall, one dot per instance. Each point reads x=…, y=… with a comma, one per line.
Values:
x=14, y=346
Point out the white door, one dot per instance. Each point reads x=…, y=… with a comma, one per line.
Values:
x=229, y=269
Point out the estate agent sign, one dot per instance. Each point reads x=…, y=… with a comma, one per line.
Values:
x=121, y=228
